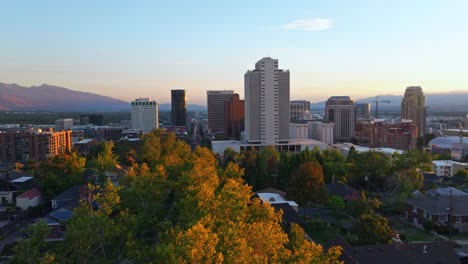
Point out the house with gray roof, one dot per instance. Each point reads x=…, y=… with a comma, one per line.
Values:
x=440, y=208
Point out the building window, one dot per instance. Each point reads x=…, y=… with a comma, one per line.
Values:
x=458, y=219
x=415, y=210
x=443, y=218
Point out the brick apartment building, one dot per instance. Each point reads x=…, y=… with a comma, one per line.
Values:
x=24, y=145
x=377, y=134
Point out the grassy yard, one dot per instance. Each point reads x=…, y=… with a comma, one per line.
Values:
x=411, y=233
x=320, y=234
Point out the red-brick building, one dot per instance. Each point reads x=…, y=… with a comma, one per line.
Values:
x=378, y=134
x=234, y=116
x=24, y=145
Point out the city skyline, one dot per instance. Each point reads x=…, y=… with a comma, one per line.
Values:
x=119, y=49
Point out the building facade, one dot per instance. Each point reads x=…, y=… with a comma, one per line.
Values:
x=298, y=131
x=63, y=124
x=341, y=110
x=402, y=136
x=321, y=131
x=20, y=146
x=145, y=115
x=178, y=108
x=234, y=116
x=363, y=111
x=297, y=109
x=413, y=106
x=266, y=103
x=216, y=102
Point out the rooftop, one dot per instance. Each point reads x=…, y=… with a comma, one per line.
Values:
x=23, y=179
x=34, y=192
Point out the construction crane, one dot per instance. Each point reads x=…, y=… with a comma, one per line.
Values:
x=460, y=134
x=377, y=101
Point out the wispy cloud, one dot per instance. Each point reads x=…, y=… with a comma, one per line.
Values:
x=311, y=24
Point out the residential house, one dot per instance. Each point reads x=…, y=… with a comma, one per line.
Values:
x=7, y=190
x=275, y=197
x=439, y=206
x=346, y=192
x=72, y=195
x=436, y=252
x=28, y=199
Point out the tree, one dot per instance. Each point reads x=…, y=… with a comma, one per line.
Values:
x=373, y=228
x=106, y=161
x=32, y=248
x=283, y=170
x=334, y=166
x=306, y=184
x=335, y=202
x=60, y=173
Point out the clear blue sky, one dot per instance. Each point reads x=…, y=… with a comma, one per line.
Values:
x=129, y=49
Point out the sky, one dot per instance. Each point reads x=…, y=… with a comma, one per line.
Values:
x=132, y=49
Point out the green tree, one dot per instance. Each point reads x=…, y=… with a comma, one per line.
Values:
x=60, y=173
x=106, y=161
x=373, y=228
x=335, y=202
x=334, y=166
x=32, y=249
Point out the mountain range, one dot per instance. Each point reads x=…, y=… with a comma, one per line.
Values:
x=59, y=99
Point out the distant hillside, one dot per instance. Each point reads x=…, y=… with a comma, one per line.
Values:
x=57, y=99
x=165, y=107
x=454, y=101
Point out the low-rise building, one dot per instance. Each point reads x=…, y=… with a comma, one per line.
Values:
x=294, y=145
x=298, y=131
x=439, y=208
x=321, y=131
x=448, y=168
x=28, y=199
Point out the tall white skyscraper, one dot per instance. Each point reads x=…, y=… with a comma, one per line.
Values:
x=145, y=115
x=267, y=103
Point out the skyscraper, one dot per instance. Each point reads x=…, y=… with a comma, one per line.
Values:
x=145, y=115
x=413, y=106
x=341, y=110
x=216, y=109
x=297, y=109
x=363, y=110
x=266, y=103
x=234, y=117
x=178, y=108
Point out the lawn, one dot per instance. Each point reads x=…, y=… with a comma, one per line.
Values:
x=320, y=233
x=411, y=233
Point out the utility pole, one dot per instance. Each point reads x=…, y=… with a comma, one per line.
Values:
x=450, y=215
x=376, y=101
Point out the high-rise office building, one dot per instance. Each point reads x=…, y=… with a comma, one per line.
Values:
x=413, y=106
x=145, y=115
x=216, y=102
x=297, y=109
x=234, y=117
x=178, y=108
x=267, y=103
x=341, y=110
x=363, y=111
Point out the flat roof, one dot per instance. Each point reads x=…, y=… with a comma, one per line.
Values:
x=23, y=179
